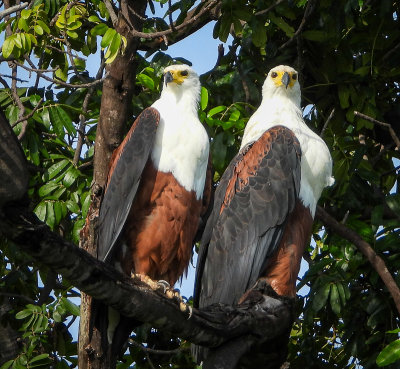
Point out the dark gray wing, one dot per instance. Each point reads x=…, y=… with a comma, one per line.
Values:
x=124, y=175
x=252, y=202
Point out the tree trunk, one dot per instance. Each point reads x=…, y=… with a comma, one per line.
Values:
x=115, y=111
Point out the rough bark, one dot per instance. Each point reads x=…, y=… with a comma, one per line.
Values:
x=13, y=167
x=9, y=347
x=117, y=94
x=267, y=318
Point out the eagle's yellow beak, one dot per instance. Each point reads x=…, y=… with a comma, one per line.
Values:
x=175, y=76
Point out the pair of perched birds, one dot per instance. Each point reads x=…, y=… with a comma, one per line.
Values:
x=159, y=187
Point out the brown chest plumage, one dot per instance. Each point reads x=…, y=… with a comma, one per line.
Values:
x=160, y=228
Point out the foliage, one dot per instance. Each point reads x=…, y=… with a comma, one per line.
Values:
x=347, y=52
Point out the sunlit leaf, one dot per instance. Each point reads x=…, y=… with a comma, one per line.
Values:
x=390, y=354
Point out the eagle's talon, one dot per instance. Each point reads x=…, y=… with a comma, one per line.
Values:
x=164, y=285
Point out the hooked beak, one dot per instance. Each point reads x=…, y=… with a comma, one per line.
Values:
x=168, y=78
x=286, y=79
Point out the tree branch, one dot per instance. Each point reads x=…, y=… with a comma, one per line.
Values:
x=267, y=318
x=12, y=9
x=194, y=20
x=307, y=13
x=383, y=124
x=376, y=261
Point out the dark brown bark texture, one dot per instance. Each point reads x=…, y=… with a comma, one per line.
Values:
x=263, y=317
x=116, y=100
x=13, y=168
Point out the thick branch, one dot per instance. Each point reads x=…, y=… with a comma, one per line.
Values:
x=375, y=260
x=383, y=124
x=195, y=19
x=12, y=9
x=268, y=318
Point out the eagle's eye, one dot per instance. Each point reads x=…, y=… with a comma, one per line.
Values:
x=294, y=77
x=274, y=74
x=184, y=73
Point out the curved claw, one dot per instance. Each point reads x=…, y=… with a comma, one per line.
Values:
x=164, y=285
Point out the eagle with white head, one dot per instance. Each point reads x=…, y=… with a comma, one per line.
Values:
x=265, y=202
x=158, y=188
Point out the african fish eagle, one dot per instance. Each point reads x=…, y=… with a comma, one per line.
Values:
x=265, y=202
x=157, y=189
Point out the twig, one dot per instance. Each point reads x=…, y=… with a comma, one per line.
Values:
x=110, y=9
x=149, y=360
x=171, y=22
x=65, y=84
x=327, y=122
x=13, y=78
x=309, y=9
x=383, y=124
x=82, y=118
x=220, y=55
x=184, y=24
x=269, y=8
x=4, y=82
x=12, y=9
x=26, y=117
x=365, y=248
x=18, y=101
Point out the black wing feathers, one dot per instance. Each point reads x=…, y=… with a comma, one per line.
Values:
x=123, y=180
x=255, y=195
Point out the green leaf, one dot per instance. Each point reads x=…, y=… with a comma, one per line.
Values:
x=94, y=19
x=259, y=34
x=108, y=37
x=113, y=49
x=393, y=201
x=48, y=188
x=38, y=358
x=146, y=81
x=281, y=23
x=57, y=168
x=38, y=29
x=225, y=26
x=71, y=307
x=335, y=302
x=321, y=297
x=342, y=294
x=216, y=110
x=204, y=98
x=23, y=314
x=344, y=94
x=22, y=24
x=66, y=120
x=8, y=46
x=25, y=13
x=389, y=354
x=70, y=176
x=46, y=118
x=7, y=364
x=40, y=211
x=50, y=216
x=56, y=120
x=99, y=29
x=73, y=206
x=57, y=212
x=57, y=317
x=43, y=26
